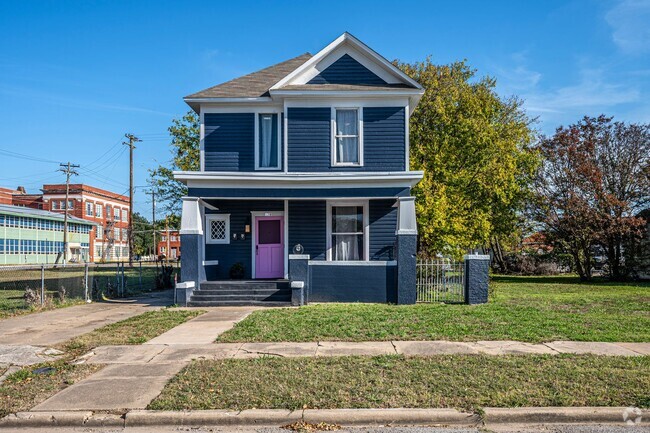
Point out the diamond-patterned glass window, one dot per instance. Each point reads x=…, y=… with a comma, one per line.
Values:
x=218, y=228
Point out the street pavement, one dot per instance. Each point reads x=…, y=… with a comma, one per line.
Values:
x=496, y=429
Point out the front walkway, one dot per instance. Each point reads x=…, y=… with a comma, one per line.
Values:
x=135, y=380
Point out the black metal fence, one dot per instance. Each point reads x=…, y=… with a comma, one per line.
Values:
x=39, y=286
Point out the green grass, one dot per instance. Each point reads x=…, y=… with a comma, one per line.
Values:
x=134, y=330
x=531, y=309
x=458, y=381
x=23, y=389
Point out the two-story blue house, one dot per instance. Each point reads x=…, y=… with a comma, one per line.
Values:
x=304, y=186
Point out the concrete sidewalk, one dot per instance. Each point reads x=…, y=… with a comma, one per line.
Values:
x=135, y=378
x=55, y=326
x=175, y=353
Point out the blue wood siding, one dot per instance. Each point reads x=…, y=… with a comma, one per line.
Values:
x=383, y=223
x=346, y=70
x=229, y=141
x=307, y=227
x=384, y=138
x=350, y=283
x=237, y=250
x=298, y=192
x=310, y=141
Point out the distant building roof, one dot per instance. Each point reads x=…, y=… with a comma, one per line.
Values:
x=43, y=214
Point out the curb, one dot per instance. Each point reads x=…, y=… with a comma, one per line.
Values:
x=567, y=415
x=345, y=417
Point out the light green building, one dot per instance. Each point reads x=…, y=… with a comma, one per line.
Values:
x=33, y=236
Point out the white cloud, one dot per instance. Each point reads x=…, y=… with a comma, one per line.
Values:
x=630, y=22
x=592, y=91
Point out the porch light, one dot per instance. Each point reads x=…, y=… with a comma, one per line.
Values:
x=247, y=228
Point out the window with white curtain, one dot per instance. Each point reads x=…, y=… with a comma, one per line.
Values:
x=347, y=148
x=268, y=156
x=347, y=234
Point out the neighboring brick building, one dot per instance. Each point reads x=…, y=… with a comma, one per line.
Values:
x=109, y=210
x=169, y=245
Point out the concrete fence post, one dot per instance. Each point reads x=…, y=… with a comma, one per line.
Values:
x=299, y=278
x=42, y=285
x=476, y=278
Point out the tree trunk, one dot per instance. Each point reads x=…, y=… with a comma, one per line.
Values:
x=497, y=255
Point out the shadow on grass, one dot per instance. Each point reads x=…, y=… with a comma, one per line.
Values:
x=563, y=279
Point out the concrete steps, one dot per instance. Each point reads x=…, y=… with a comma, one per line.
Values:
x=241, y=292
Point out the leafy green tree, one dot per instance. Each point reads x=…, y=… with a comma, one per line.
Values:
x=185, y=139
x=142, y=235
x=474, y=148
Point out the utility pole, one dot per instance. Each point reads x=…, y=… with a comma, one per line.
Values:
x=153, y=220
x=68, y=169
x=131, y=143
x=168, y=246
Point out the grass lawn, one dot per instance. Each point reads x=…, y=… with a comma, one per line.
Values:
x=23, y=389
x=532, y=309
x=134, y=330
x=458, y=381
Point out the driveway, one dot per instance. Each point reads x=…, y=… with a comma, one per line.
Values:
x=24, y=339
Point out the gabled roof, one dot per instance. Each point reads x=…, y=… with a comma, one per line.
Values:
x=298, y=75
x=254, y=85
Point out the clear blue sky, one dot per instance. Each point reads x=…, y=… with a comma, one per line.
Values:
x=75, y=76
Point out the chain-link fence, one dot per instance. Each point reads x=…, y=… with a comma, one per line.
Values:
x=38, y=286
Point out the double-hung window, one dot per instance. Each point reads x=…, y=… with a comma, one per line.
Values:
x=89, y=209
x=347, y=232
x=347, y=145
x=268, y=147
x=98, y=210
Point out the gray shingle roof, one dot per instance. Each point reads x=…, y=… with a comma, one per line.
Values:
x=253, y=85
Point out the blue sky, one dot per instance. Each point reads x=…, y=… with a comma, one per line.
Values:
x=75, y=76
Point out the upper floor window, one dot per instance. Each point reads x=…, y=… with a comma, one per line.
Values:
x=98, y=210
x=268, y=149
x=125, y=215
x=89, y=208
x=108, y=211
x=347, y=145
x=55, y=205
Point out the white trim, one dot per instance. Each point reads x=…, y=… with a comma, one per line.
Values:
x=333, y=147
x=285, y=141
x=358, y=45
x=210, y=262
x=272, y=180
x=217, y=217
x=353, y=263
x=250, y=108
x=202, y=138
x=407, y=139
x=254, y=238
x=286, y=239
x=366, y=226
x=343, y=102
x=299, y=256
x=230, y=100
x=257, y=142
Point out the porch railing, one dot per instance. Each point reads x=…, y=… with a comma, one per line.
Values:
x=440, y=280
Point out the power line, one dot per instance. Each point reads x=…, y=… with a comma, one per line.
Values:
x=27, y=157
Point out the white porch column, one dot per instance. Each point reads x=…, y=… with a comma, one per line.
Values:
x=406, y=250
x=406, y=220
x=191, y=221
x=192, y=244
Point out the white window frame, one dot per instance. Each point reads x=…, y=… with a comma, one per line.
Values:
x=257, y=141
x=125, y=215
x=99, y=210
x=90, y=206
x=333, y=147
x=217, y=217
x=366, y=228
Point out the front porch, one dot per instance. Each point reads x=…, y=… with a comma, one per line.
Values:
x=255, y=251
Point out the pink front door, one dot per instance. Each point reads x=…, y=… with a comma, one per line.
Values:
x=269, y=247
